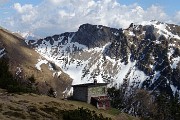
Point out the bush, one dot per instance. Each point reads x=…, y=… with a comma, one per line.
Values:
x=82, y=114
x=8, y=82
x=32, y=79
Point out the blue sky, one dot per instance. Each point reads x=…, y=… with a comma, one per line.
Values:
x=47, y=17
x=170, y=6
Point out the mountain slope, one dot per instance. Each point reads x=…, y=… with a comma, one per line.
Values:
x=22, y=61
x=145, y=55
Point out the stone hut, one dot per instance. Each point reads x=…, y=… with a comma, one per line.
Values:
x=93, y=93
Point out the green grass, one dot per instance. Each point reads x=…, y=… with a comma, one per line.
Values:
x=113, y=111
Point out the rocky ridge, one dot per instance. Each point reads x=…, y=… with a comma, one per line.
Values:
x=145, y=55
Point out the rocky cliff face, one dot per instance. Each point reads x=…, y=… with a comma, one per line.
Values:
x=145, y=55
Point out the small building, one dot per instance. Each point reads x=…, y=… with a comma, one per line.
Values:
x=92, y=93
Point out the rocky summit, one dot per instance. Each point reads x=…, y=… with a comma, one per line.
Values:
x=145, y=55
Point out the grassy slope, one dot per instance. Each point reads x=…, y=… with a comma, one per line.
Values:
x=31, y=106
x=21, y=55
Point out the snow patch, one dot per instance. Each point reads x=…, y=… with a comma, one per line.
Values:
x=40, y=62
x=99, y=27
x=174, y=89
x=2, y=53
x=158, y=42
x=157, y=74
x=116, y=34
x=170, y=52
x=137, y=77
x=131, y=33
x=57, y=74
x=18, y=71
x=175, y=62
x=123, y=71
x=161, y=27
x=151, y=66
x=28, y=35
x=172, y=44
x=50, y=67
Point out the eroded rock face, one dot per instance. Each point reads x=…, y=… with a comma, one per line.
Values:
x=94, y=35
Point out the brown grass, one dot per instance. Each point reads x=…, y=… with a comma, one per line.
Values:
x=21, y=55
x=31, y=106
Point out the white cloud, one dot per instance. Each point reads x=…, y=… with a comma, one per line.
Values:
x=26, y=13
x=24, y=8
x=155, y=12
x=57, y=16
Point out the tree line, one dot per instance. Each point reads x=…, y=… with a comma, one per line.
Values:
x=11, y=83
x=147, y=106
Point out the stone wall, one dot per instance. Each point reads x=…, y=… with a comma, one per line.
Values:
x=96, y=91
x=80, y=93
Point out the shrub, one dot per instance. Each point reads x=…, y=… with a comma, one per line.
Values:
x=11, y=84
x=82, y=114
x=32, y=79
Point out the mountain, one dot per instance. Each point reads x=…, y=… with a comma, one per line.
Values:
x=142, y=62
x=27, y=35
x=145, y=55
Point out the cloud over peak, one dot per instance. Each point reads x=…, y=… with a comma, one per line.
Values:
x=57, y=16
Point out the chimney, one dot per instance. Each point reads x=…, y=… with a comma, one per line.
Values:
x=95, y=81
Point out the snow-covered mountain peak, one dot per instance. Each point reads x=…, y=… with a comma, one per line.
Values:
x=142, y=55
x=167, y=30
x=28, y=35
